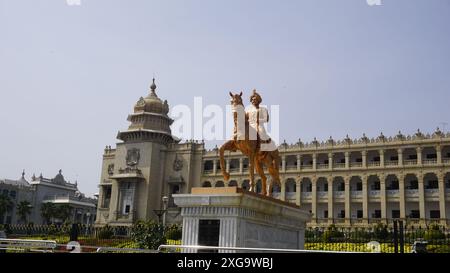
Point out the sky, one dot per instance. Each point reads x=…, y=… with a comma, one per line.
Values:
x=71, y=74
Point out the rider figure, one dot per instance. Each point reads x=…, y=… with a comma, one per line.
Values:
x=257, y=116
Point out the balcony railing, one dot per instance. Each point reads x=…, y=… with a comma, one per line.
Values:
x=339, y=194
x=410, y=162
x=356, y=193
x=291, y=167
x=207, y=171
x=446, y=160
x=412, y=193
x=339, y=165
x=392, y=192
x=234, y=170
x=355, y=164
x=322, y=166
x=306, y=195
x=322, y=194
x=429, y=161
x=276, y=194
x=374, y=193
x=307, y=167
x=391, y=163
x=290, y=195
x=373, y=164
x=432, y=192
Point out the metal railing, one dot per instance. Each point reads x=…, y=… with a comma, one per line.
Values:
x=355, y=164
x=245, y=249
x=410, y=162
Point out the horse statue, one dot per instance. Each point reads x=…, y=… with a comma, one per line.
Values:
x=247, y=140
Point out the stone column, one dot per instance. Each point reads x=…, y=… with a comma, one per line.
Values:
x=381, y=158
x=114, y=203
x=400, y=157
x=347, y=160
x=364, y=158
x=422, y=212
x=299, y=162
x=330, y=161
x=314, y=156
x=383, y=197
x=365, y=203
x=283, y=163
x=227, y=164
x=314, y=200
x=348, y=212
x=439, y=155
x=402, y=200
x=419, y=156
x=442, y=209
x=214, y=166
x=330, y=201
x=298, y=192
x=241, y=165
x=283, y=189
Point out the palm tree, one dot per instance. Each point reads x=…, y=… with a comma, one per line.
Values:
x=5, y=204
x=48, y=211
x=23, y=209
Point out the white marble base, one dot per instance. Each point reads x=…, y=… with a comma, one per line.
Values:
x=246, y=219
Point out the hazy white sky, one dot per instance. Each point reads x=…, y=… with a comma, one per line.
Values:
x=70, y=75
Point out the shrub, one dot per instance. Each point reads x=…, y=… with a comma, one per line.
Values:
x=332, y=234
x=434, y=233
x=148, y=234
x=105, y=232
x=174, y=232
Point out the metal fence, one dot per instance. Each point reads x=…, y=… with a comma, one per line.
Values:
x=375, y=239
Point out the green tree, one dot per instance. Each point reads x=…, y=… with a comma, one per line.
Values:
x=63, y=212
x=48, y=211
x=148, y=234
x=5, y=204
x=23, y=209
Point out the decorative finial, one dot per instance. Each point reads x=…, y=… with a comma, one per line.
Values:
x=153, y=87
x=60, y=171
x=23, y=173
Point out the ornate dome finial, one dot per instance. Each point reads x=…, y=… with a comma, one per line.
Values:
x=23, y=173
x=153, y=86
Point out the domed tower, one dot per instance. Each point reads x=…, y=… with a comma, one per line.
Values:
x=150, y=121
x=133, y=173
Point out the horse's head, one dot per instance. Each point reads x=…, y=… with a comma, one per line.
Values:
x=236, y=99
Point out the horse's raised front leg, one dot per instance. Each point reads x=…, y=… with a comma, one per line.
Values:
x=229, y=145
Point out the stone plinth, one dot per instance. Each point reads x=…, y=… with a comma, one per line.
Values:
x=231, y=217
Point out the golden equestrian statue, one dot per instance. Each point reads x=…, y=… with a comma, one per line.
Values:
x=250, y=137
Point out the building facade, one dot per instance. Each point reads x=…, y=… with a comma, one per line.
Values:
x=42, y=190
x=357, y=182
x=348, y=182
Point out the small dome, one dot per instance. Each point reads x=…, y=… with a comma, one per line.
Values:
x=152, y=103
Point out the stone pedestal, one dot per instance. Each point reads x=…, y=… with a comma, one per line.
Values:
x=231, y=217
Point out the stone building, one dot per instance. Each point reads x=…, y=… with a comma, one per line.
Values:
x=44, y=190
x=348, y=182
x=357, y=182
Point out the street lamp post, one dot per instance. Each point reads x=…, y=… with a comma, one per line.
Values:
x=88, y=216
x=165, y=200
